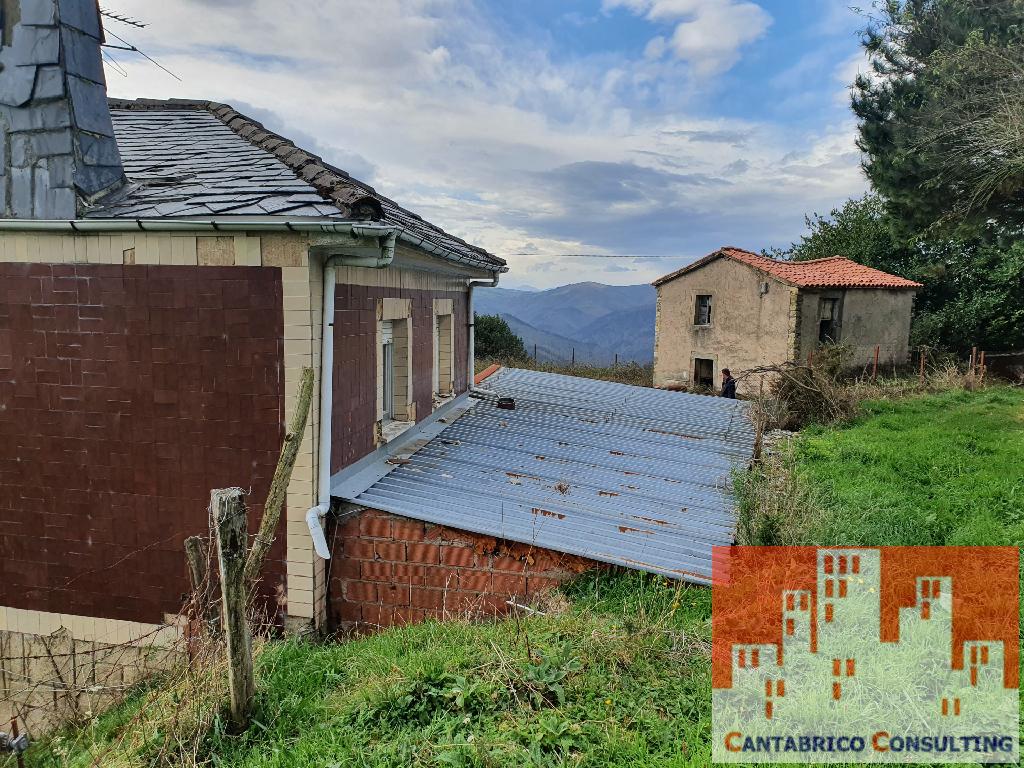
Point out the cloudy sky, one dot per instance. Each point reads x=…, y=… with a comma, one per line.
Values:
x=649, y=130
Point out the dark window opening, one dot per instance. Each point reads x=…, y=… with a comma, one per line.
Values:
x=704, y=372
x=388, y=384
x=702, y=311
x=828, y=321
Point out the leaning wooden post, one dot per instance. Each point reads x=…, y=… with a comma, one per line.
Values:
x=874, y=367
x=974, y=358
x=981, y=366
x=920, y=375
x=278, y=492
x=229, y=516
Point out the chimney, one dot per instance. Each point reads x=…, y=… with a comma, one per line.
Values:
x=57, y=146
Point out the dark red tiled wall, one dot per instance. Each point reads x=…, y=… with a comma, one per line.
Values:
x=355, y=362
x=385, y=570
x=126, y=394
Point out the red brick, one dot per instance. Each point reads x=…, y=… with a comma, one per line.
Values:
x=423, y=553
x=506, y=584
x=484, y=545
x=408, y=615
x=360, y=549
x=403, y=529
x=506, y=563
x=393, y=551
x=360, y=591
x=380, y=615
x=374, y=526
x=408, y=573
x=462, y=602
x=461, y=557
x=346, y=611
x=475, y=581
x=342, y=567
x=536, y=584
x=376, y=570
x=430, y=599
x=393, y=594
x=440, y=576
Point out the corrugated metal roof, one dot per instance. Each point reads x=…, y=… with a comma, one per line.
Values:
x=621, y=474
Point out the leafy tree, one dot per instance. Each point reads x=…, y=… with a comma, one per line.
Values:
x=974, y=287
x=941, y=120
x=860, y=229
x=495, y=340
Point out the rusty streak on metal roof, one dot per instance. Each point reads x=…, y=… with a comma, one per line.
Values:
x=592, y=468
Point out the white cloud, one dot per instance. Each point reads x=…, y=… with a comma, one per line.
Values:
x=490, y=136
x=709, y=34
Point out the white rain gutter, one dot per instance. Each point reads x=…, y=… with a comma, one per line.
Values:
x=315, y=514
x=471, y=352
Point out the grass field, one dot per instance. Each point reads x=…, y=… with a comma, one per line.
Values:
x=620, y=675
x=942, y=469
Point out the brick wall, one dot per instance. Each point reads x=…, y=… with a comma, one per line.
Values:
x=355, y=358
x=126, y=394
x=386, y=570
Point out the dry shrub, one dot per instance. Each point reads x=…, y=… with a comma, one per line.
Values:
x=170, y=719
x=798, y=394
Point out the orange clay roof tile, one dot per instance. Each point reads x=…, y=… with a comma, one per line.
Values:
x=833, y=272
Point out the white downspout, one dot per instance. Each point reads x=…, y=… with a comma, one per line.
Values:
x=317, y=513
x=470, y=351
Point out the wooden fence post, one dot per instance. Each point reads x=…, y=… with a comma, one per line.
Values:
x=228, y=506
x=974, y=359
x=874, y=367
x=920, y=375
x=981, y=366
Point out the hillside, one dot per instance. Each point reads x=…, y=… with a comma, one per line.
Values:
x=598, y=320
x=617, y=674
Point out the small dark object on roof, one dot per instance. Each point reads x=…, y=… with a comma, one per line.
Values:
x=507, y=403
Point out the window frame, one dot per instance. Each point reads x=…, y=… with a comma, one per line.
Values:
x=697, y=309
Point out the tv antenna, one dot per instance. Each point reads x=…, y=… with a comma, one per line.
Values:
x=127, y=46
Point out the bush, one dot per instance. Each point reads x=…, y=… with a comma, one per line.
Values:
x=495, y=339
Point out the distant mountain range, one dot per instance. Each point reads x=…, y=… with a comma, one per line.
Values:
x=597, y=320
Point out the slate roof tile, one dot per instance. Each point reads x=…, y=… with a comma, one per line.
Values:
x=199, y=158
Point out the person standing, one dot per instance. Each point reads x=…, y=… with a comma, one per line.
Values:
x=728, y=384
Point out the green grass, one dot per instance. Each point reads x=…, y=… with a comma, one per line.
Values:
x=621, y=676
x=941, y=469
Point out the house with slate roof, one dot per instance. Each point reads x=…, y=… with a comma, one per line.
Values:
x=740, y=310
x=167, y=271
